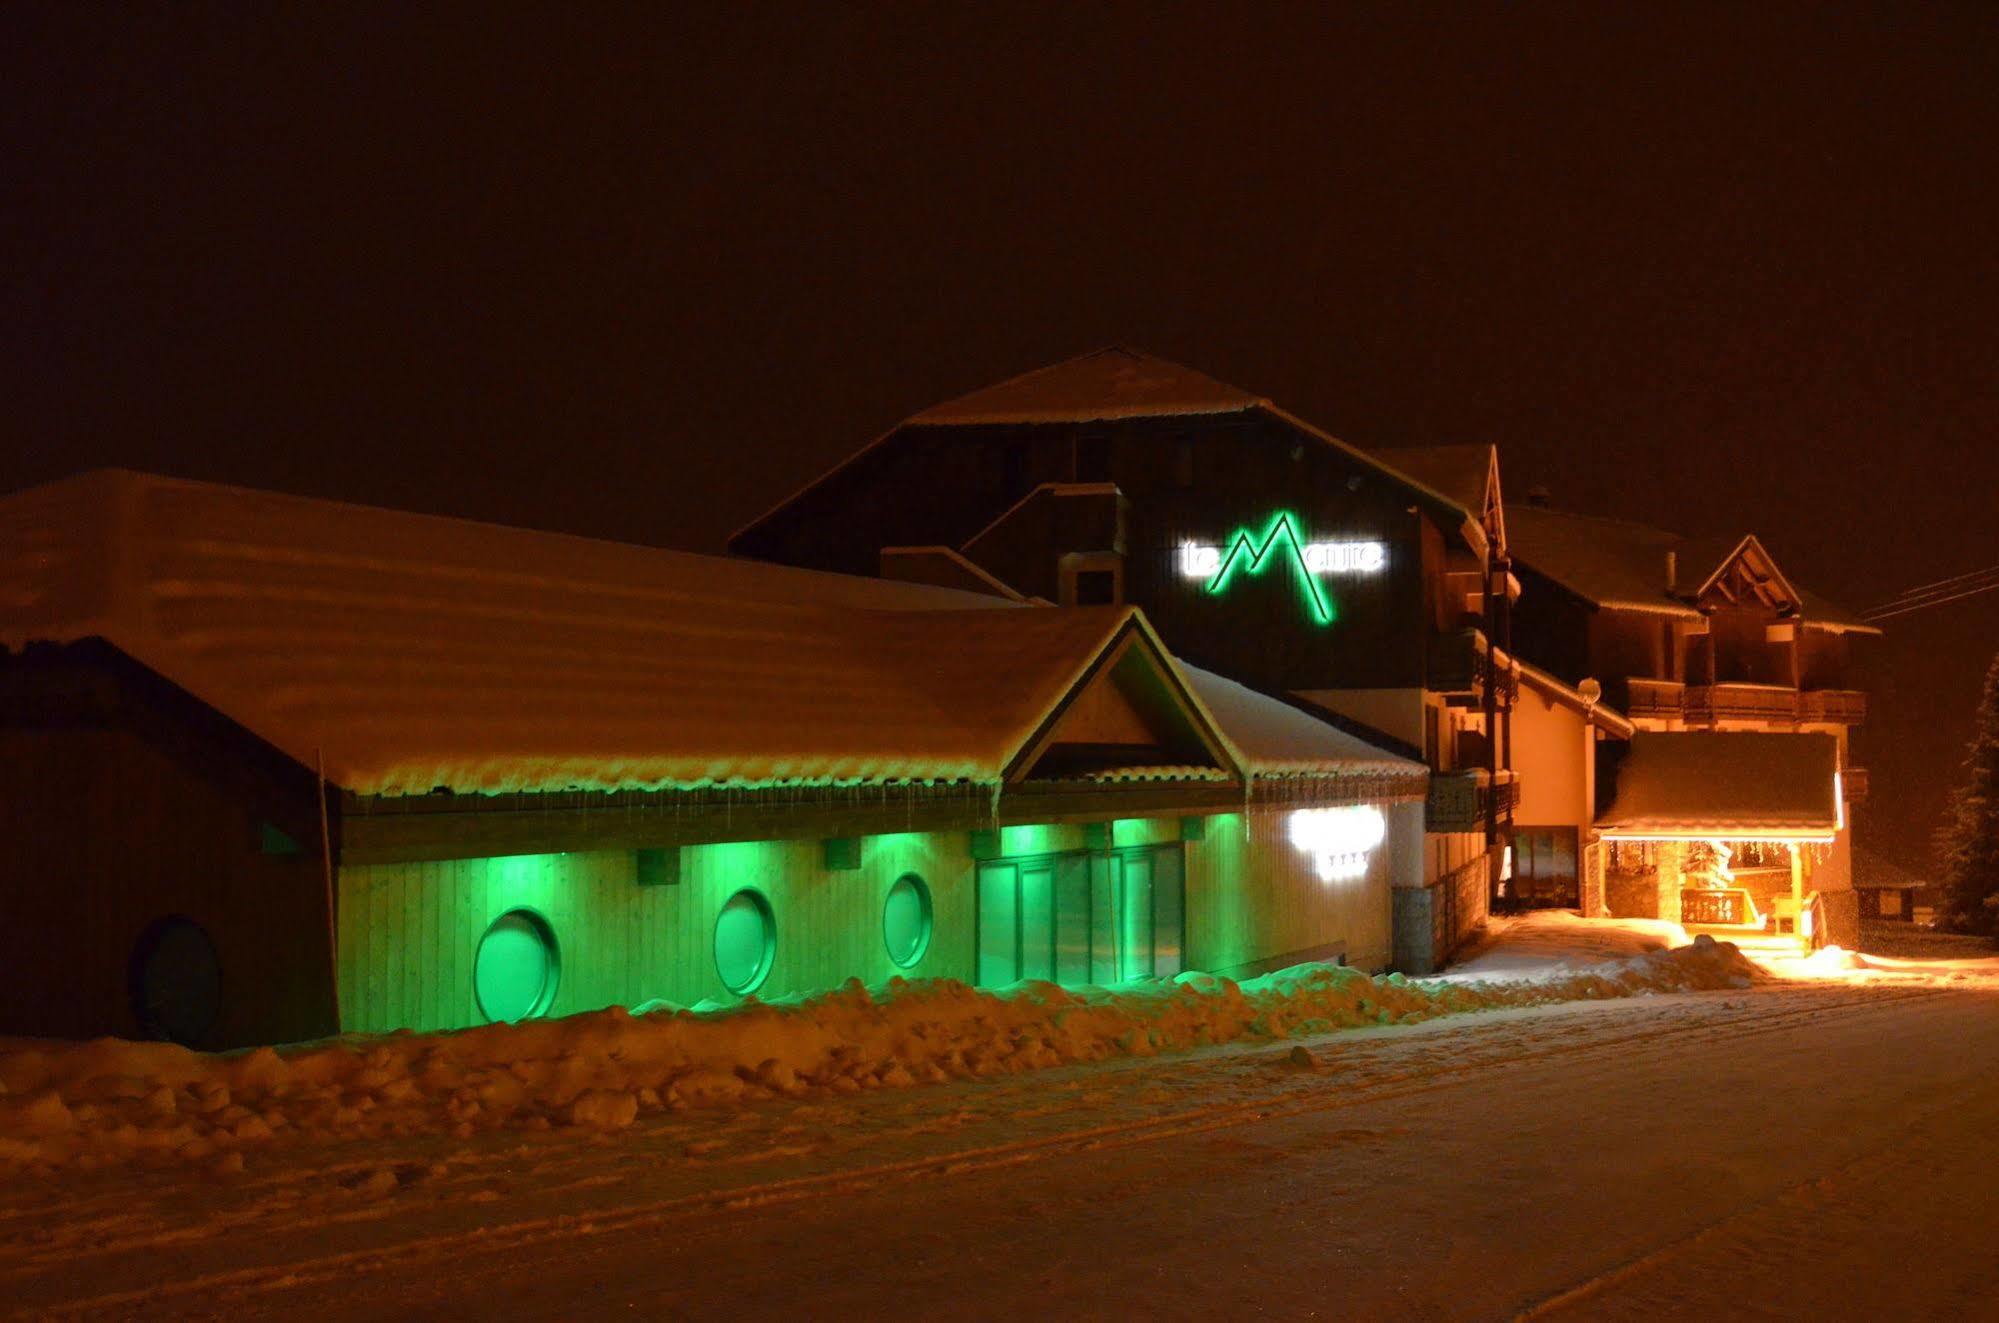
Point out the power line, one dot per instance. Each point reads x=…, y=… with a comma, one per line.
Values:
x=1922, y=590
x=1894, y=609
x=1934, y=594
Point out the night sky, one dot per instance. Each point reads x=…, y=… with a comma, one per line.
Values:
x=642, y=274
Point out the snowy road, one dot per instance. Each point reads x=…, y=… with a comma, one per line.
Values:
x=1791, y=1151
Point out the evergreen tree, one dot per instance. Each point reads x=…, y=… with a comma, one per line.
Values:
x=1969, y=842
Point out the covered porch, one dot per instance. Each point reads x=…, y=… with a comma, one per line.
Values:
x=1725, y=832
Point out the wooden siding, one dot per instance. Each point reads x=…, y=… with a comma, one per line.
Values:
x=409, y=932
x=1254, y=901
x=106, y=834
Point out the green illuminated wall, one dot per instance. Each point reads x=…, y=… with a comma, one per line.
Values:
x=409, y=932
x=1253, y=898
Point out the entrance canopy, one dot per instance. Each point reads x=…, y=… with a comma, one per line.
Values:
x=1728, y=785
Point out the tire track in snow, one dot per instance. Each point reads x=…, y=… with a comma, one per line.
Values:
x=1388, y=1075
x=1740, y=1225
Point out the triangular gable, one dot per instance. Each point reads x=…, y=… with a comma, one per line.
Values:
x=1748, y=575
x=1129, y=710
x=1495, y=506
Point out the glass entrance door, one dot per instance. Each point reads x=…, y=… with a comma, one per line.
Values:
x=1082, y=917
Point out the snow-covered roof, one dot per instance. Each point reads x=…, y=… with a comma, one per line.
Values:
x=1113, y=382
x=1275, y=739
x=1730, y=784
x=1460, y=473
x=1622, y=565
x=1119, y=382
x=1601, y=715
x=1875, y=872
x=412, y=651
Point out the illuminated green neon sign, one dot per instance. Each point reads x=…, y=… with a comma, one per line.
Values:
x=1281, y=543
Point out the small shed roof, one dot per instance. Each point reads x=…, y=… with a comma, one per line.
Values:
x=1729, y=784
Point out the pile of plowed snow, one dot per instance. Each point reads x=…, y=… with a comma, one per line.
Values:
x=110, y=1101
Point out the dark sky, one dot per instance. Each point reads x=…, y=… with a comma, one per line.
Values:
x=642, y=273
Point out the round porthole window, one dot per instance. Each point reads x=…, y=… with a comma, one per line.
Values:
x=176, y=981
x=906, y=920
x=515, y=971
x=745, y=941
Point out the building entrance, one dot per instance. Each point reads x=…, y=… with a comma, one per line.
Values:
x=1083, y=916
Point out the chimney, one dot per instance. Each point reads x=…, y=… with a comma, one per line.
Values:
x=1673, y=573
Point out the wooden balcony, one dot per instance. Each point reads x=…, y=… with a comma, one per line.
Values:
x=1706, y=705
x=1461, y=663
x=1846, y=706
x=1660, y=700
x=1466, y=800
x=1741, y=702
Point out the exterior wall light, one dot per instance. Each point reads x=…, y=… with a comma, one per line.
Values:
x=1338, y=839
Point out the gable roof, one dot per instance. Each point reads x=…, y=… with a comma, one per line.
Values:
x=1621, y=565
x=1112, y=382
x=1729, y=784
x=413, y=651
x=1118, y=382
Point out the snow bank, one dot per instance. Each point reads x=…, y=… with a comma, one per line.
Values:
x=111, y=1101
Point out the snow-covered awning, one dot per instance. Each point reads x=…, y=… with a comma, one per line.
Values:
x=1734, y=785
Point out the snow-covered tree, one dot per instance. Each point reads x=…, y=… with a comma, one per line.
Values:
x=1969, y=842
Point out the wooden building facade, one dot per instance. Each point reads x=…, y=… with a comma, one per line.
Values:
x=1702, y=637
x=1370, y=588
x=272, y=768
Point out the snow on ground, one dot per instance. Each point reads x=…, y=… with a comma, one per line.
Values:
x=111, y=1102
x=1547, y=944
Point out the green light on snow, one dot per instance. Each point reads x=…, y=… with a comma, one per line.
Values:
x=1253, y=555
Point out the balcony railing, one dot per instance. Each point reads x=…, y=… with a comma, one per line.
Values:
x=1846, y=706
x=1731, y=907
x=1705, y=705
x=1461, y=663
x=1741, y=702
x=1464, y=801
x=1660, y=699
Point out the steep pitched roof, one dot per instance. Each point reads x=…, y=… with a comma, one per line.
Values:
x=1461, y=473
x=1728, y=784
x=413, y=651
x=1622, y=565
x=1113, y=382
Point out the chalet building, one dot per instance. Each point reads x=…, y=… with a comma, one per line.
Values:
x=273, y=767
x=1369, y=588
x=1728, y=807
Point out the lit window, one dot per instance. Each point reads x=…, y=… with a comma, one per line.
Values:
x=515, y=971
x=745, y=941
x=906, y=920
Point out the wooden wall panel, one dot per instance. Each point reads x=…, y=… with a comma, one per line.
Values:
x=410, y=932
x=1253, y=897
x=104, y=835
